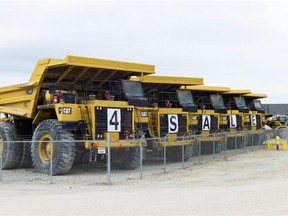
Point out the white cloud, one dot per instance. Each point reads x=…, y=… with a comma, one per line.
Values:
x=237, y=44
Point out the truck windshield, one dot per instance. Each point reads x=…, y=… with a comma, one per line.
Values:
x=257, y=104
x=217, y=101
x=283, y=119
x=132, y=88
x=240, y=102
x=185, y=97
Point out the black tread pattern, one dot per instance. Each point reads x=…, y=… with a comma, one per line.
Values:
x=207, y=147
x=174, y=153
x=125, y=158
x=65, y=148
x=12, y=150
x=26, y=159
x=240, y=142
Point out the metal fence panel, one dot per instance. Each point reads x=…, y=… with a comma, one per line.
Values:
x=157, y=156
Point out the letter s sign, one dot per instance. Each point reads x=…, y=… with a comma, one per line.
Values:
x=172, y=124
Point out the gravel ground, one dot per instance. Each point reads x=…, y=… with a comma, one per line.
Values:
x=251, y=183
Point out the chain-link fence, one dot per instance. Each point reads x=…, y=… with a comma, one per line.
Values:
x=112, y=164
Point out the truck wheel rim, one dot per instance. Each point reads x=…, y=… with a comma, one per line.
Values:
x=44, y=148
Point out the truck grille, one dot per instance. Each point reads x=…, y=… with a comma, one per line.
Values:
x=239, y=122
x=101, y=121
x=182, y=125
x=214, y=123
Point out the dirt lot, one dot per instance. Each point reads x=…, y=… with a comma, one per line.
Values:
x=254, y=183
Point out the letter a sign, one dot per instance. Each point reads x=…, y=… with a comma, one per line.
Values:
x=206, y=122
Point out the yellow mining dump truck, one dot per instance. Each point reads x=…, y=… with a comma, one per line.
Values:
x=68, y=106
x=256, y=118
x=256, y=110
x=167, y=119
x=211, y=115
x=236, y=107
x=237, y=111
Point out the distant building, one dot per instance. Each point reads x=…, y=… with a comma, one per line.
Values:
x=276, y=109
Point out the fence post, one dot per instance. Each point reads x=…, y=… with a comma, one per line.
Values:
x=183, y=152
x=252, y=140
x=165, y=157
x=235, y=144
x=1, y=162
x=199, y=149
x=263, y=139
x=51, y=161
x=214, y=149
x=108, y=160
x=141, y=157
x=225, y=145
x=246, y=140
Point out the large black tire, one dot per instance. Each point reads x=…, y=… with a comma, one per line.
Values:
x=174, y=153
x=63, y=150
x=11, y=151
x=207, y=147
x=125, y=158
x=240, y=142
x=82, y=158
x=79, y=154
x=26, y=159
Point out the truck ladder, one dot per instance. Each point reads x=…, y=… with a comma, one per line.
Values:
x=85, y=117
x=152, y=124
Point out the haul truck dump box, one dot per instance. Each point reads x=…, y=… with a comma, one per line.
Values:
x=67, y=100
x=22, y=99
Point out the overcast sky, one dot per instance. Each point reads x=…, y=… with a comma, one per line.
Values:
x=239, y=44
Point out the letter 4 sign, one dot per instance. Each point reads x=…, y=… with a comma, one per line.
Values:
x=172, y=124
x=113, y=120
x=253, y=120
x=206, y=122
x=233, y=121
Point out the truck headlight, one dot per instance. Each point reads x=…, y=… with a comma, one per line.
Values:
x=194, y=117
